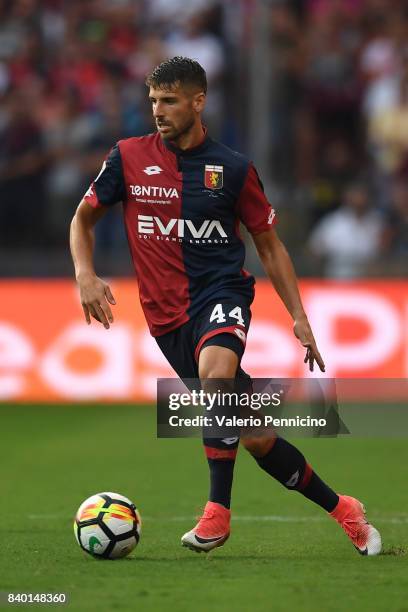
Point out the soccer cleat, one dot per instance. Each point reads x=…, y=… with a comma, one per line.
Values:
x=211, y=531
x=350, y=514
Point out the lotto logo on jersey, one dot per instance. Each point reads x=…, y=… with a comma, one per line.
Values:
x=214, y=176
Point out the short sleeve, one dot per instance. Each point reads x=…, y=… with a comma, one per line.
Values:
x=253, y=208
x=109, y=187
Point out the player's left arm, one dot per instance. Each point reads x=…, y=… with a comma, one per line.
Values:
x=279, y=268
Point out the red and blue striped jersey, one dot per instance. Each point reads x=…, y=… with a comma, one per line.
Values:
x=182, y=210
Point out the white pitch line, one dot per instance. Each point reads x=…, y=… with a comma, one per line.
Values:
x=273, y=518
x=47, y=517
x=276, y=518
x=255, y=519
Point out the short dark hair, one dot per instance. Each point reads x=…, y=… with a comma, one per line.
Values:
x=178, y=71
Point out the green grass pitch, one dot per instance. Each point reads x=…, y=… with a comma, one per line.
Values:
x=284, y=553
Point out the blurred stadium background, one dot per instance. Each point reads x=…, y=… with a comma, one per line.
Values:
x=314, y=91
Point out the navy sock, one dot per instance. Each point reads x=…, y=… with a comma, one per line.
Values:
x=285, y=463
x=320, y=493
x=221, y=461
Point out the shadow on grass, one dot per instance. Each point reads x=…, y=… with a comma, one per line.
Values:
x=394, y=551
x=193, y=558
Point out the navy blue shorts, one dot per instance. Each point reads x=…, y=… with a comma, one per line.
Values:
x=221, y=324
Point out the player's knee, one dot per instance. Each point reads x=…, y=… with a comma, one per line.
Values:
x=217, y=362
x=216, y=381
x=258, y=446
x=216, y=371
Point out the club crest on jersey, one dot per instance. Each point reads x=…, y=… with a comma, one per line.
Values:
x=214, y=176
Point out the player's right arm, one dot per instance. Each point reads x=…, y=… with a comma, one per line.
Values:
x=95, y=294
x=106, y=190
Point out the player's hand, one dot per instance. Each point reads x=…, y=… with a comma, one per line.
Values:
x=95, y=299
x=303, y=332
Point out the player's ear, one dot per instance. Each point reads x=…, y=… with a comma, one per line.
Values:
x=199, y=102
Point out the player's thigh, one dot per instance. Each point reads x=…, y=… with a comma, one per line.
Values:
x=219, y=358
x=178, y=348
x=221, y=332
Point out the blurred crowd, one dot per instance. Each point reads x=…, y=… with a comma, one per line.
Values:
x=72, y=83
x=340, y=108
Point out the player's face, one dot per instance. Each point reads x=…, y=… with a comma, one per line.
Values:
x=175, y=111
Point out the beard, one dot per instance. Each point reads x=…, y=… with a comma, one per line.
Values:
x=176, y=133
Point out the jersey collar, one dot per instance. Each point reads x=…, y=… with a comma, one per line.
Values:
x=187, y=152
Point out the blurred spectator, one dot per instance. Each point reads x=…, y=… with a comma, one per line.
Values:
x=396, y=229
x=196, y=40
x=386, y=27
x=22, y=175
x=288, y=53
x=349, y=238
x=388, y=129
x=176, y=12
x=335, y=171
x=332, y=90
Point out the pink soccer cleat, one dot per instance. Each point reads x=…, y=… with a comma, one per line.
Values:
x=211, y=531
x=350, y=514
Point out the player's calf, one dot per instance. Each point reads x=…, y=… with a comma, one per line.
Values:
x=287, y=465
x=217, y=368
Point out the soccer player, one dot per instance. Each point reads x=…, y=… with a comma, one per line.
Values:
x=183, y=196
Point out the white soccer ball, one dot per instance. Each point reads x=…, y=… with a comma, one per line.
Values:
x=107, y=525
